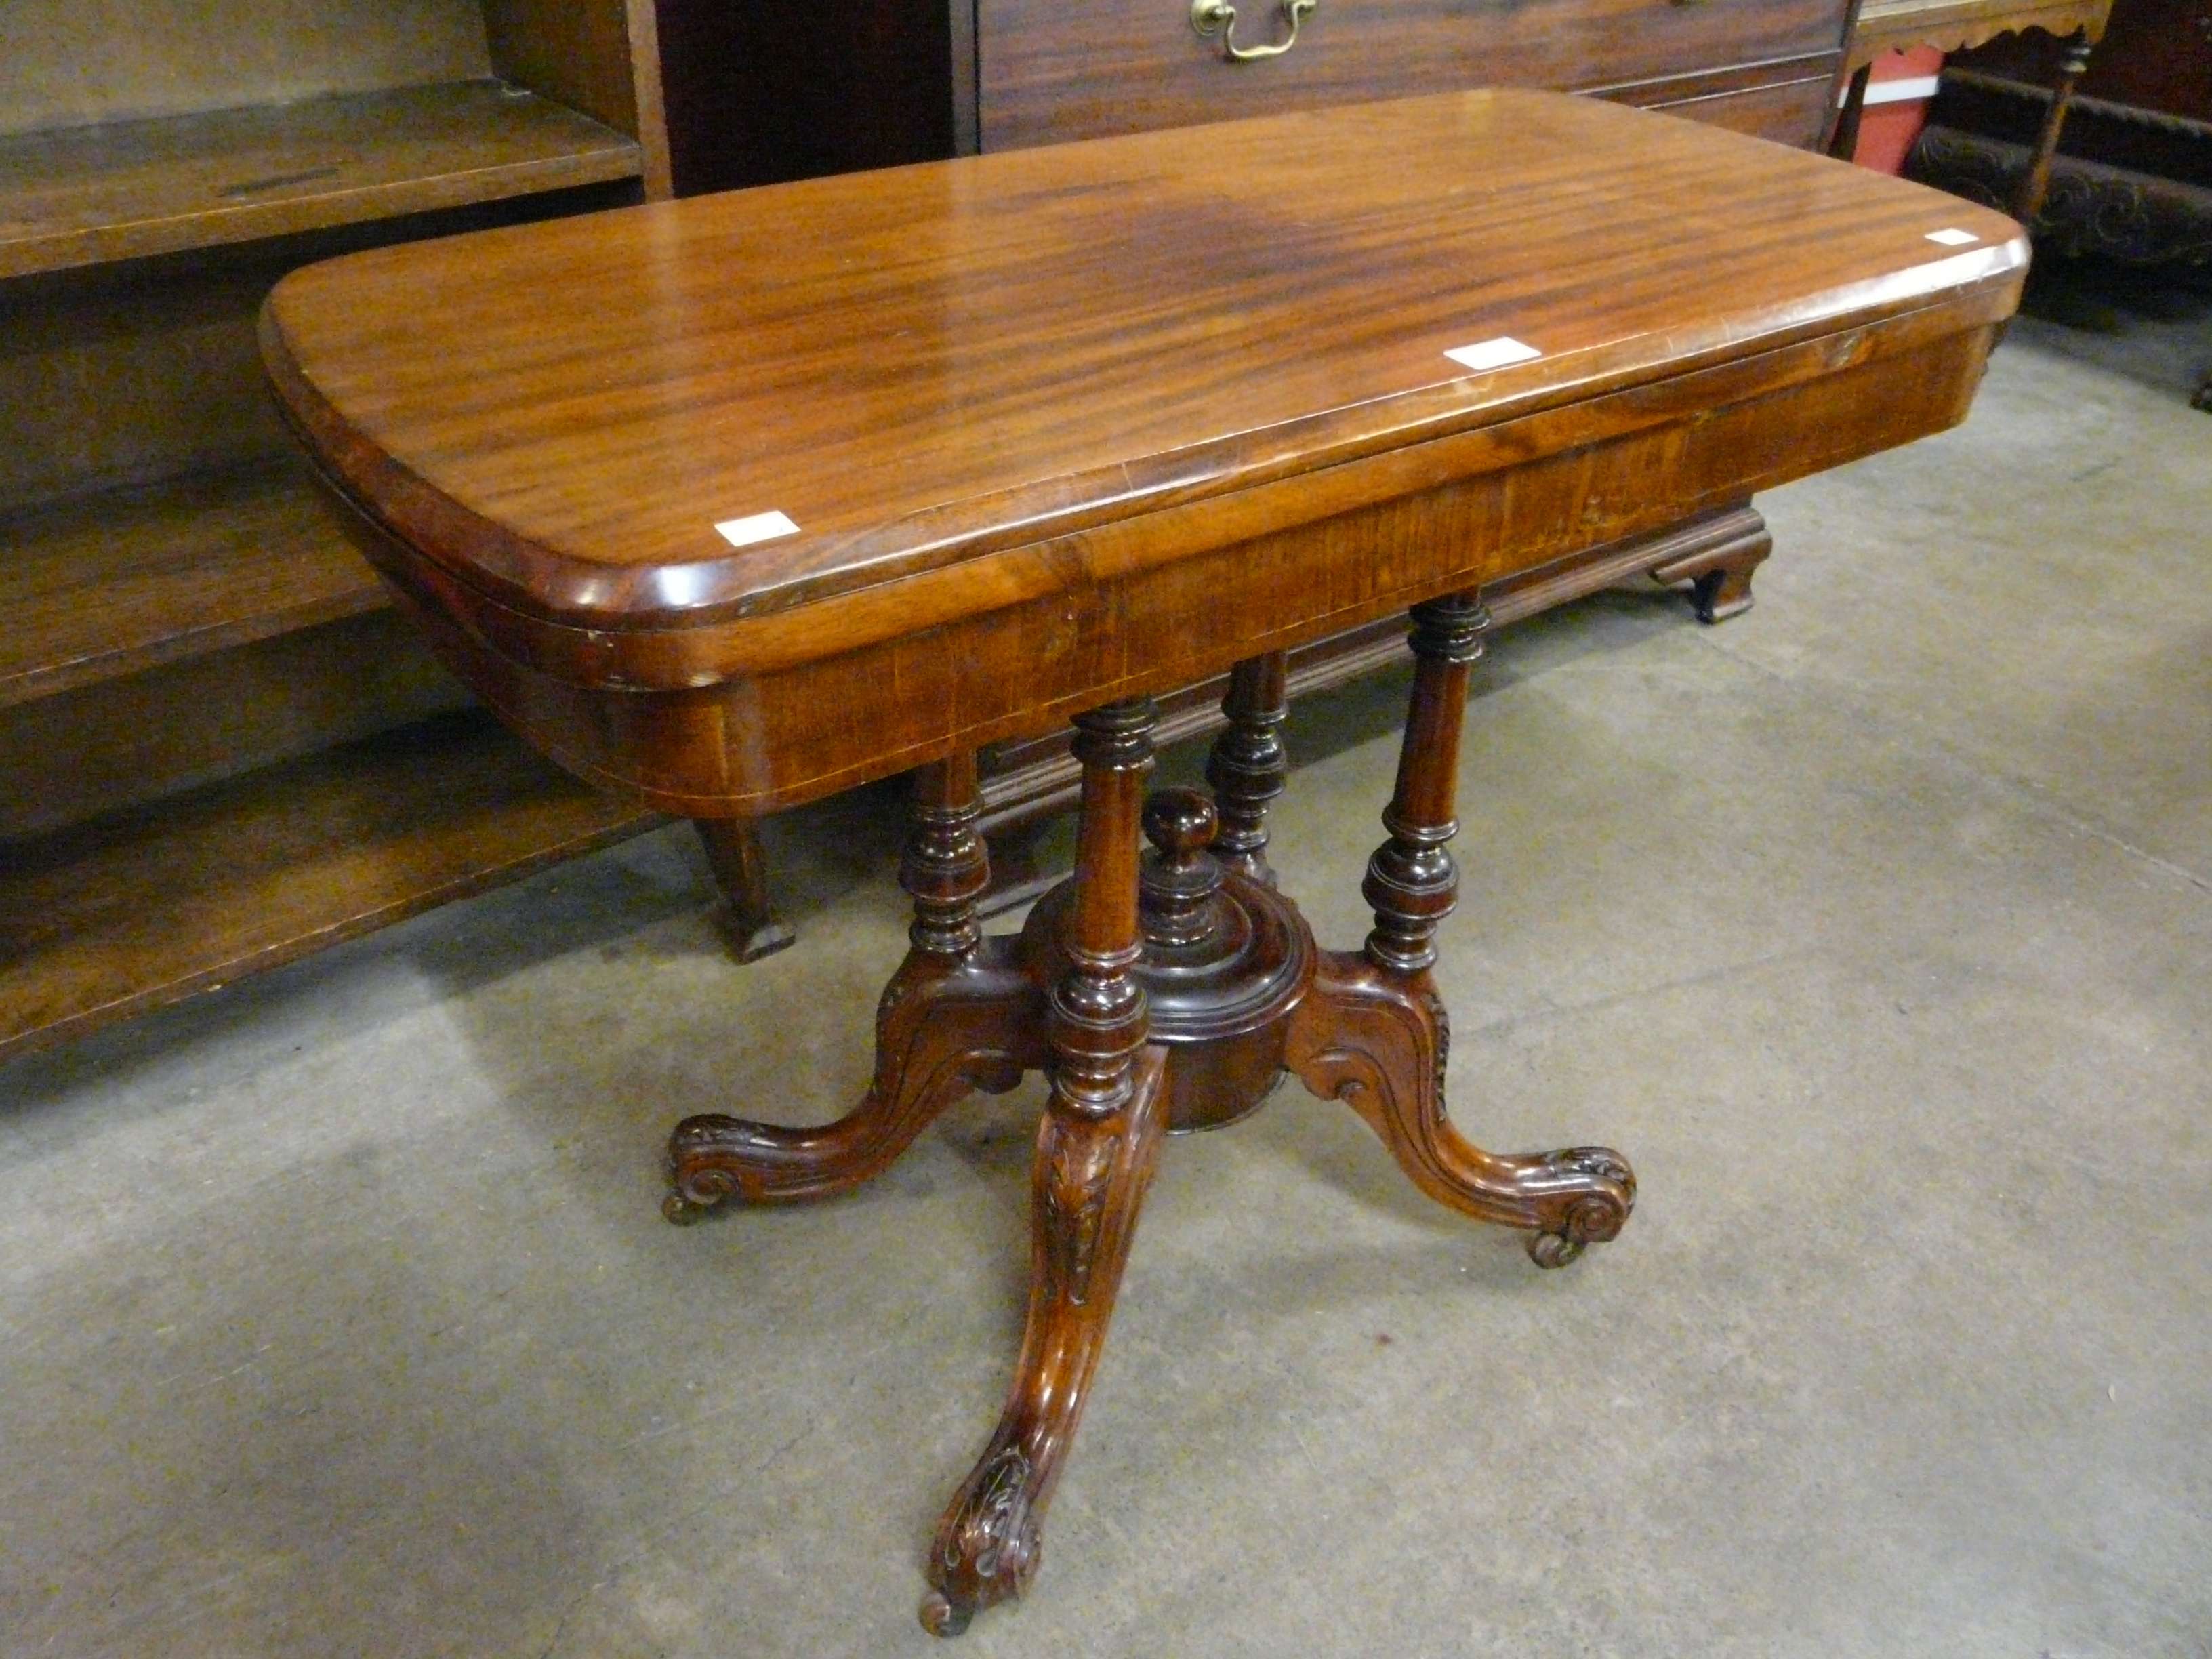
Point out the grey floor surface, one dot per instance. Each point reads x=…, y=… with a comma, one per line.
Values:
x=336, y=1317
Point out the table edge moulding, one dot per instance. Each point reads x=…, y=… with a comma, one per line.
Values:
x=866, y=474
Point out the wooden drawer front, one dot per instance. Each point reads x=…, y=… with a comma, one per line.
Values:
x=1055, y=70
x=1790, y=112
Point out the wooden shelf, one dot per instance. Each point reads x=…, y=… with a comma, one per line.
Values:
x=83, y=196
x=115, y=917
x=113, y=583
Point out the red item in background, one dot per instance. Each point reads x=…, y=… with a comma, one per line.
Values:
x=1887, y=130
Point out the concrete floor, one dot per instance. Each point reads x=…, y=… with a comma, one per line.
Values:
x=337, y=1318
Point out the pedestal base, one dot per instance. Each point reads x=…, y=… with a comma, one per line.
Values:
x=1160, y=995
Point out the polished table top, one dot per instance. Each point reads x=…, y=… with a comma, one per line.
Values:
x=1081, y=417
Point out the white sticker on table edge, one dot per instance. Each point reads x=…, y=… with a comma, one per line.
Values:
x=1493, y=354
x=759, y=527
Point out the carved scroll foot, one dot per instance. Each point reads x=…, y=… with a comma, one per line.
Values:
x=1378, y=1041
x=1719, y=577
x=943, y=1030
x=1088, y=1182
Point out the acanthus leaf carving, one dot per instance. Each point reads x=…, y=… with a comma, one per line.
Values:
x=1076, y=1176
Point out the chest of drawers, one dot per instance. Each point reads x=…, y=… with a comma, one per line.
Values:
x=778, y=89
x=1050, y=69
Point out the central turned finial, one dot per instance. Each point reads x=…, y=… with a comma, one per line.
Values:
x=1179, y=880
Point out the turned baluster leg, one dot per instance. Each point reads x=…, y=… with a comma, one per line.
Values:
x=957, y=1016
x=1412, y=881
x=944, y=866
x=1247, y=765
x=1095, y=1154
x=1371, y=1030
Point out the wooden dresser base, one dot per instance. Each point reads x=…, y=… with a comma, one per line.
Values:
x=1160, y=995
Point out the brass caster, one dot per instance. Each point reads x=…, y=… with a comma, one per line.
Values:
x=680, y=1212
x=942, y=1616
x=1554, y=1249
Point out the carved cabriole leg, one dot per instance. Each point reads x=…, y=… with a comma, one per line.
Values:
x=1247, y=765
x=958, y=1015
x=733, y=853
x=1372, y=1031
x=1095, y=1154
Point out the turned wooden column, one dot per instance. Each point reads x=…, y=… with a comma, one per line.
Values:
x=1412, y=881
x=1373, y=1031
x=1248, y=764
x=1098, y=1010
x=946, y=865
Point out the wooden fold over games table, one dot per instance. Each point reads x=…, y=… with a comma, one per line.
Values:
x=735, y=502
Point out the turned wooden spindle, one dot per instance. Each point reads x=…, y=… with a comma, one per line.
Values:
x=945, y=865
x=1412, y=881
x=1098, y=1011
x=1248, y=764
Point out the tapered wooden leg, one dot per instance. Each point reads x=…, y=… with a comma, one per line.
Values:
x=1844, y=134
x=733, y=853
x=959, y=1015
x=1095, y=1154
x=1372, y=1031
x=2035, y=182
x=1248, y=764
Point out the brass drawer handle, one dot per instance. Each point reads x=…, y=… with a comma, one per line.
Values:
x=1211, y=17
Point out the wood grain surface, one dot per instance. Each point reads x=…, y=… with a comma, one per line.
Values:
x=81, y=196
x=1091, y=421
x=142, y=908
x=77, y=63
x=122, y=581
